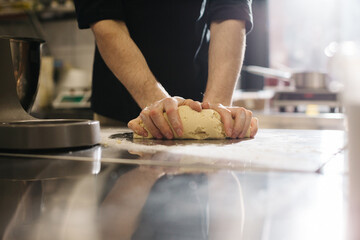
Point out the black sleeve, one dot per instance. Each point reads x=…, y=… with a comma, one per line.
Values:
x=231, y=9
x=91, y=11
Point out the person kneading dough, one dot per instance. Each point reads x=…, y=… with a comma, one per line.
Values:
x=197, y=125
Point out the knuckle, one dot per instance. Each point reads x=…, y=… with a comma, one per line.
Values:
x=226, y=110
x=179, y=100
x=131, y=123
x=188, y=101
x=169, y=100
x=197, y=103
x=144, y=116
x=166, y=100
x=219, y=105
x=171, y=111
x=205, y=105
x=154, y=112
x=145, y=112
x=155, y=105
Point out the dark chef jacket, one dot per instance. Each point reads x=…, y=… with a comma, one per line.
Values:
x=173, y=37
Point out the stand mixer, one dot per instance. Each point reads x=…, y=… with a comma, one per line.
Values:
x=19, y=68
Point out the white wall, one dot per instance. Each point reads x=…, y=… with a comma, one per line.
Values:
x=65, y=41
x=301, y=30
x=69, y=44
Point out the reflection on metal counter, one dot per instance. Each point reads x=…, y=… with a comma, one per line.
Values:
x=128, y=201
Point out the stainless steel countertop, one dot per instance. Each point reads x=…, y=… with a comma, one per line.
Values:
x=284, y=184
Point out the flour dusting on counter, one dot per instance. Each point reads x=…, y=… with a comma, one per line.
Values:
x=303, y=150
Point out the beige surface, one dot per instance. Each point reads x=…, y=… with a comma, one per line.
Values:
x=198, y=125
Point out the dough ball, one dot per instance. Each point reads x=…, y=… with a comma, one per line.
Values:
x=197, y=125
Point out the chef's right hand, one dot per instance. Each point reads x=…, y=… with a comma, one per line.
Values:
x=237, y=120
x=153, y=117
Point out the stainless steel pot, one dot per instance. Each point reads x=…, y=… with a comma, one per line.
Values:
x=25, y=53
x=302, y=80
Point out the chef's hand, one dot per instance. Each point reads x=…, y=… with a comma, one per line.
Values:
x=153, y=117
x=237, y=120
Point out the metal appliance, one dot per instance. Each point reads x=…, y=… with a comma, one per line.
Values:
x=303, y=89
x=294, y=99
x=19, y=68
x=74, y=90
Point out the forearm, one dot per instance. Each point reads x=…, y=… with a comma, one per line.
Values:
x=126, y=61
x=226, y=54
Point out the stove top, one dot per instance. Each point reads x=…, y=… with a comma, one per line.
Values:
x=296, y=98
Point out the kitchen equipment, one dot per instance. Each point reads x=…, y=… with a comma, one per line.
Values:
x=303, y=98
x=74, y=89
x=301, y=80
x=25, y=55
x=19, y=67
x=307, y=89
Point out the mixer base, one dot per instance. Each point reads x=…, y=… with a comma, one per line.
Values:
x=48, y=134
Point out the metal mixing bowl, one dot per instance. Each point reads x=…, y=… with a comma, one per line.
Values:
x=25, y=53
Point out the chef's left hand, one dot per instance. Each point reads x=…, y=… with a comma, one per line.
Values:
x=153, y=118
x=237, y=120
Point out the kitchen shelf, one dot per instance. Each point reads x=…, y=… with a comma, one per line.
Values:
x=42, y=15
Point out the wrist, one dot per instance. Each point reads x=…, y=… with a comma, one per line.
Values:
x=215, y=98
x=152, y=91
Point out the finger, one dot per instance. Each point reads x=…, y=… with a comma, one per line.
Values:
x=227, y=120
x=195, y=105
x=157, y=117
x=225, y=115
x=136, y=127
x=205, y=105
x=171, y=109
x=247, y=123
x=180, y=100
x=144, y=115
x=239, y=116
x=254, y=126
